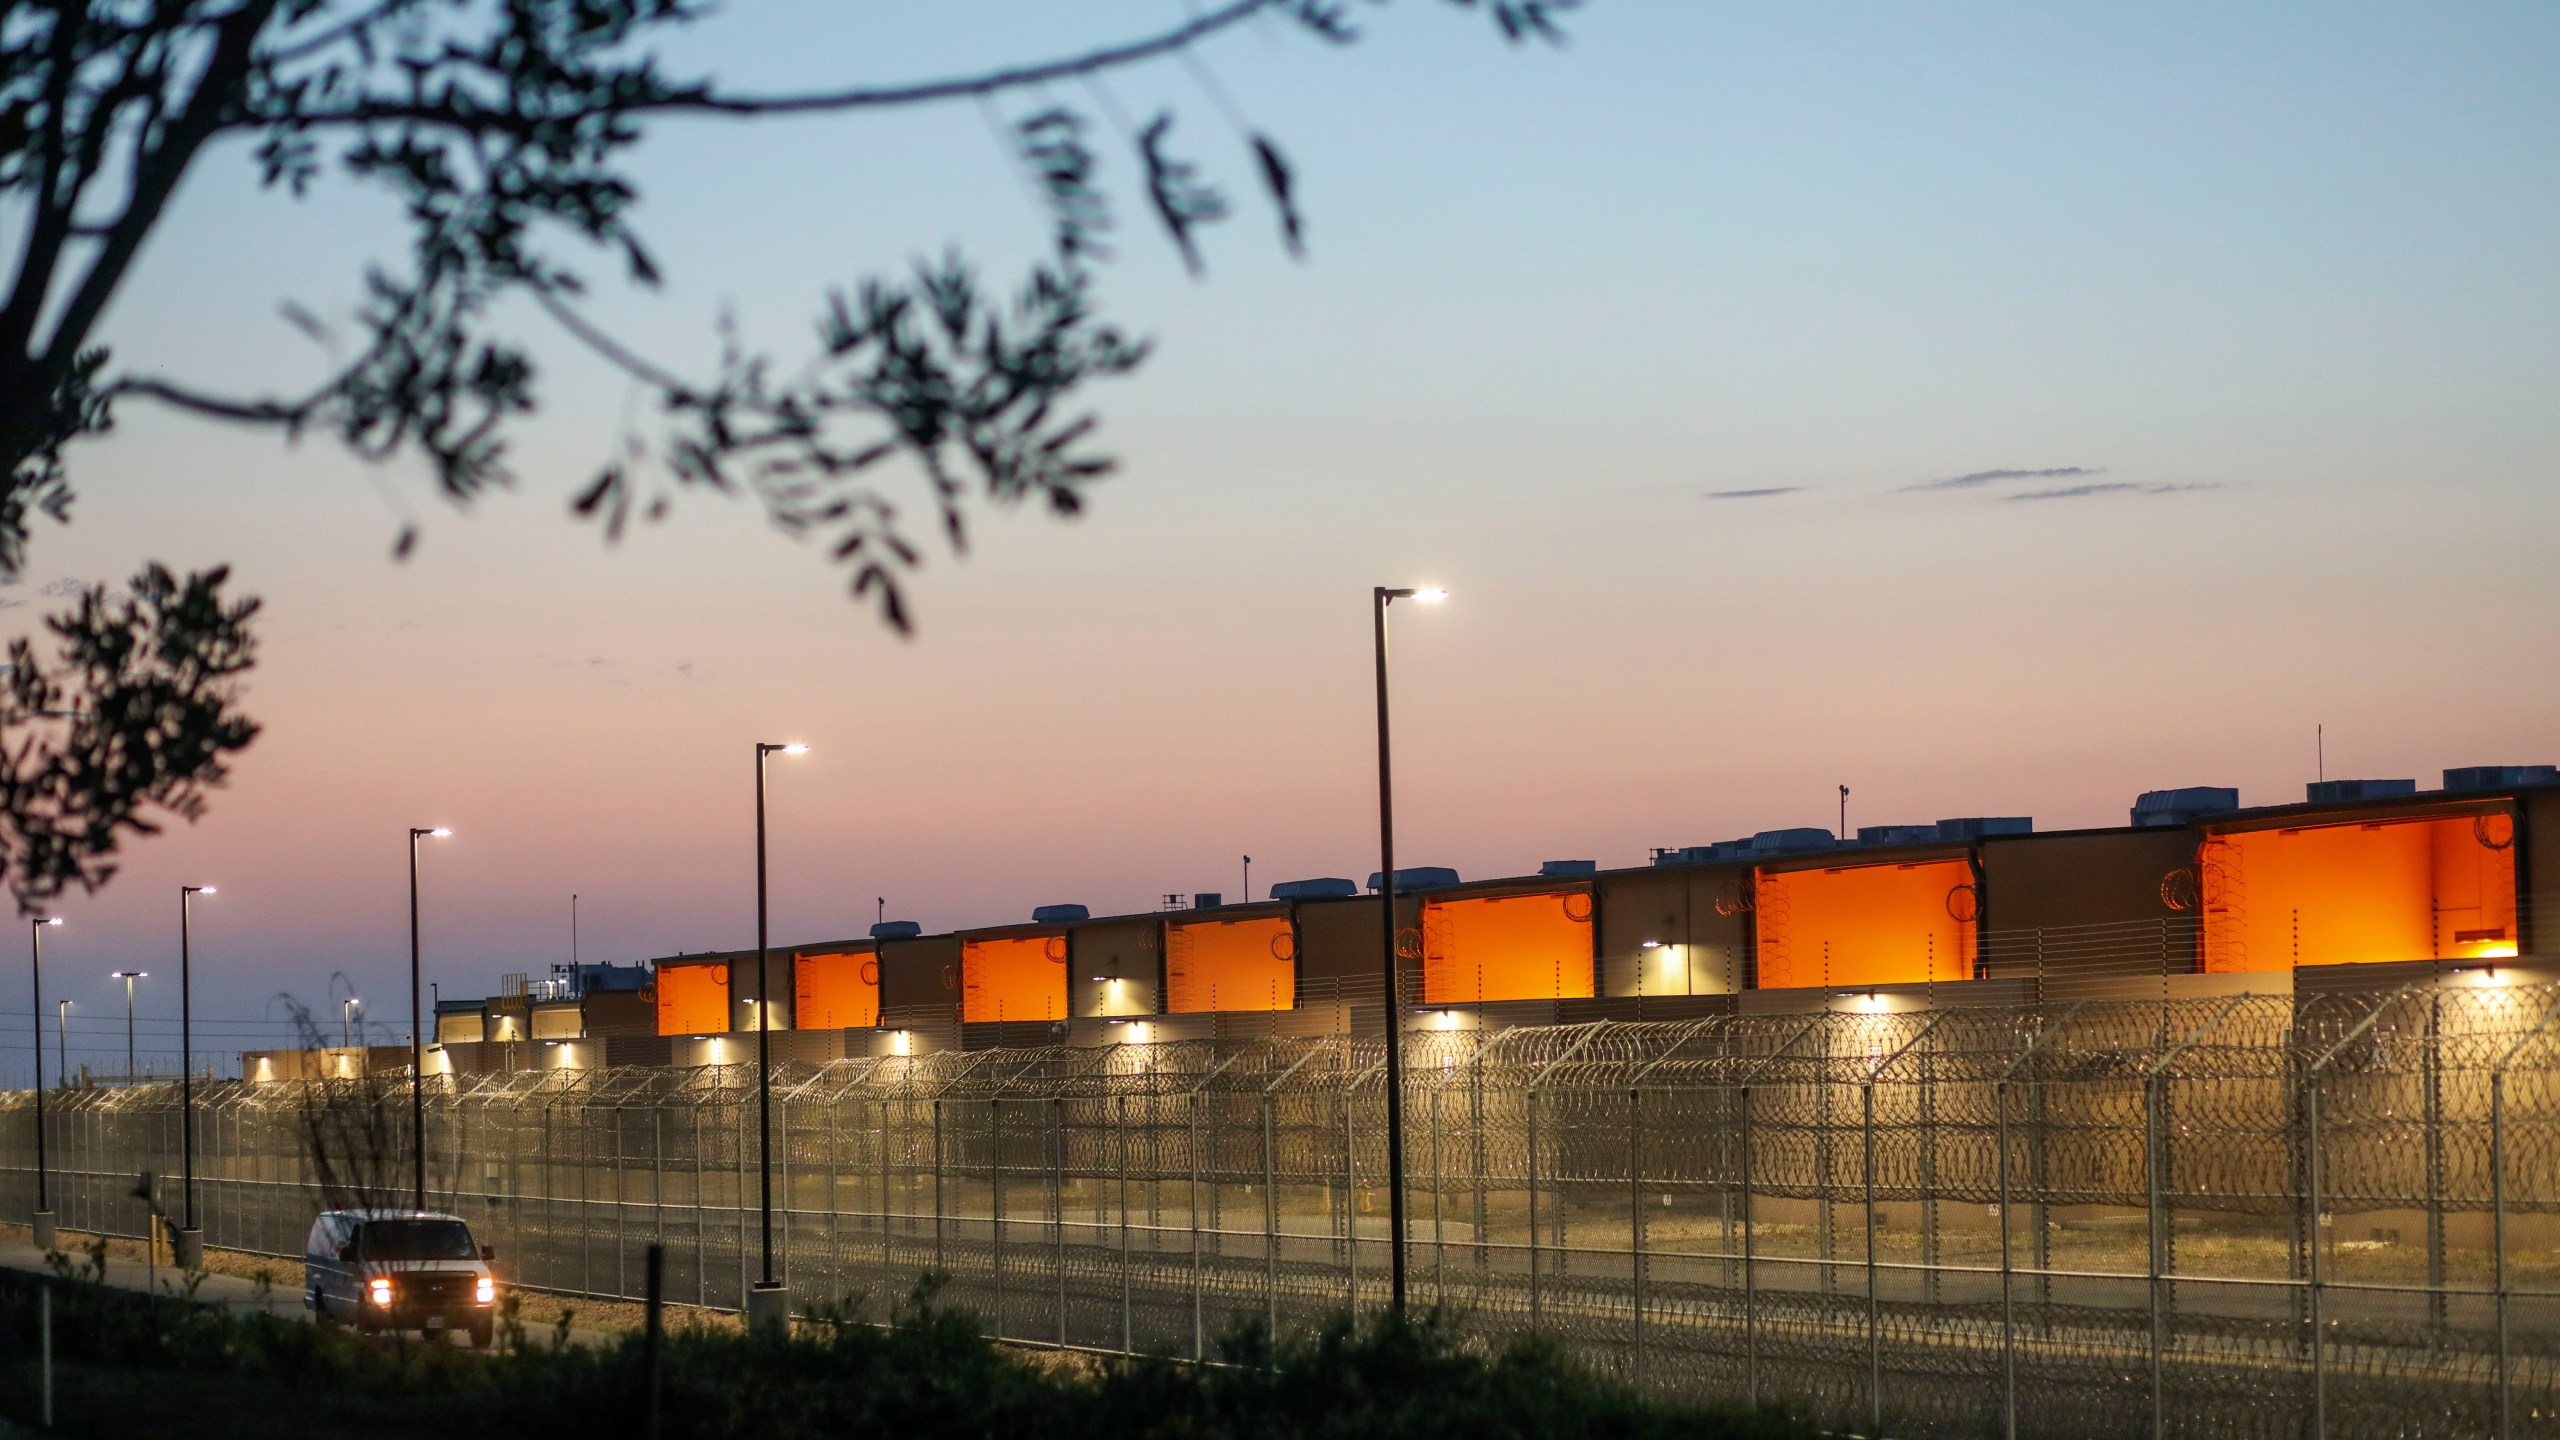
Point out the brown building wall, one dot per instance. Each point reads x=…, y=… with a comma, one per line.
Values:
x=918, y=977
x=621, y=1012
x=2035, y=882
x=1338, y=945
x=1125, y=954
x=2540, y=872
x=1699, y=909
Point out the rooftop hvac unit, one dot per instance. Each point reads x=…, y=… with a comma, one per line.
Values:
x=896, y=930
x=2180, y=807
x=1058, y=914
x=1328, y=888
x=1974, y=827
x=1802, y=837
x=1560, y=869
x=2500, y=777
x=1418, y=877
x=1896, y=834
x=2331, y=792
x=1207, y=900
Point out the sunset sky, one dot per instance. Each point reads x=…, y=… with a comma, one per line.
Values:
x=1998, y=410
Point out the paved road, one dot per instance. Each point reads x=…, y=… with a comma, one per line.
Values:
x=234, y=1294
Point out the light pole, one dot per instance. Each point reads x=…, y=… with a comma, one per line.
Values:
x=768, y=1304
x=190, y=1237
x=1381, y=598
x=42, y=1221
x=347, y=1023
x=417, y=1034
x=128, y=977
x=61, y=1044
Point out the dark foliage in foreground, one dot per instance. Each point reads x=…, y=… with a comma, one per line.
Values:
x=928, y=1373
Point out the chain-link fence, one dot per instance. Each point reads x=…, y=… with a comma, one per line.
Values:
x=2330, y=1216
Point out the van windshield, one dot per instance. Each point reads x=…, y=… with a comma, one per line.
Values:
x=418, y=1240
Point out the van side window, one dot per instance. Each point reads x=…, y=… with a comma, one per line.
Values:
x=323, y=1238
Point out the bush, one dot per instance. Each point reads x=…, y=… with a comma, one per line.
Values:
x=929, y=1373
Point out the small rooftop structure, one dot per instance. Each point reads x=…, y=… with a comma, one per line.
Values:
x=2183, y=806
x=1058, y=914
x=1330, y=887
x=1410, y=878
x=2500, y=777
x=2332, y=792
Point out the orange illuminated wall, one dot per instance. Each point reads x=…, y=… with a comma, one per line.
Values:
x=1231, y=965
x=1863, y=925
x=1016, y=979
x=693, y=999
x=2428, y=888
x=1507, y=947
x=836, y=992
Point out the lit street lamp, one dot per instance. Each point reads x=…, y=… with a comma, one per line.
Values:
x=190, y=1238
x=42, y=1221
x=128, y=977
x=768, y=1304
x=61, y=1045
x=417, y=1034
x=1381, y=598
x=346, y=1022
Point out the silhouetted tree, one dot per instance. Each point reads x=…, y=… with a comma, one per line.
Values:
x=505, y=129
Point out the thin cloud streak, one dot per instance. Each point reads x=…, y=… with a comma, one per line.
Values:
x=2113, y=487
x=1760, y=494
x=1993, y=477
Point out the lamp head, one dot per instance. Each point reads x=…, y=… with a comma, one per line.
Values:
x=1430, y=595
x=777, y=748
x=196, y=890
x=50, y=920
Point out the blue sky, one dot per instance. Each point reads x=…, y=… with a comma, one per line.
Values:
x=2279, y=280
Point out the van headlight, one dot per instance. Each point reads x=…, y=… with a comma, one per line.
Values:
x=486, y=1292
x=380, y=1290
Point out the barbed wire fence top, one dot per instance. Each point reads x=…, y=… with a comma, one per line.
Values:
x=2333, y=1214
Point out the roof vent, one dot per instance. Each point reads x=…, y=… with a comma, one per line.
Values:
x=2331, y=792
x=1974, y=827
x=1896, y=834
x=1329, y=888
x=1418, y=877
x=896, y=930
x=2180, y=807
x=1802, y=837
x=2500, y=777
x=1058, y=914
x=1207, y=900
x=1561, y=869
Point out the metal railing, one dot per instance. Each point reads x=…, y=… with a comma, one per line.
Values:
x=2332, y=1215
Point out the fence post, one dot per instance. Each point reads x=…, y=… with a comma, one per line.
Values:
x=1058, y=1202
x=1635, y=1217
x=1750, y=1271
x=995, y=1201
x=1439, y=1236
x=2008, y=1278
x=2498, y=1237
x=938, y=1262
x=1530, y=1174
x=1199, y=1335
x=1128, y=1333
x=2311, y=1199
x=1875, y=1334
x=1270, y=1218
x=2152, y=1142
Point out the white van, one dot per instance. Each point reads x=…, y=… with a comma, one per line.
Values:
x=400, y=1270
